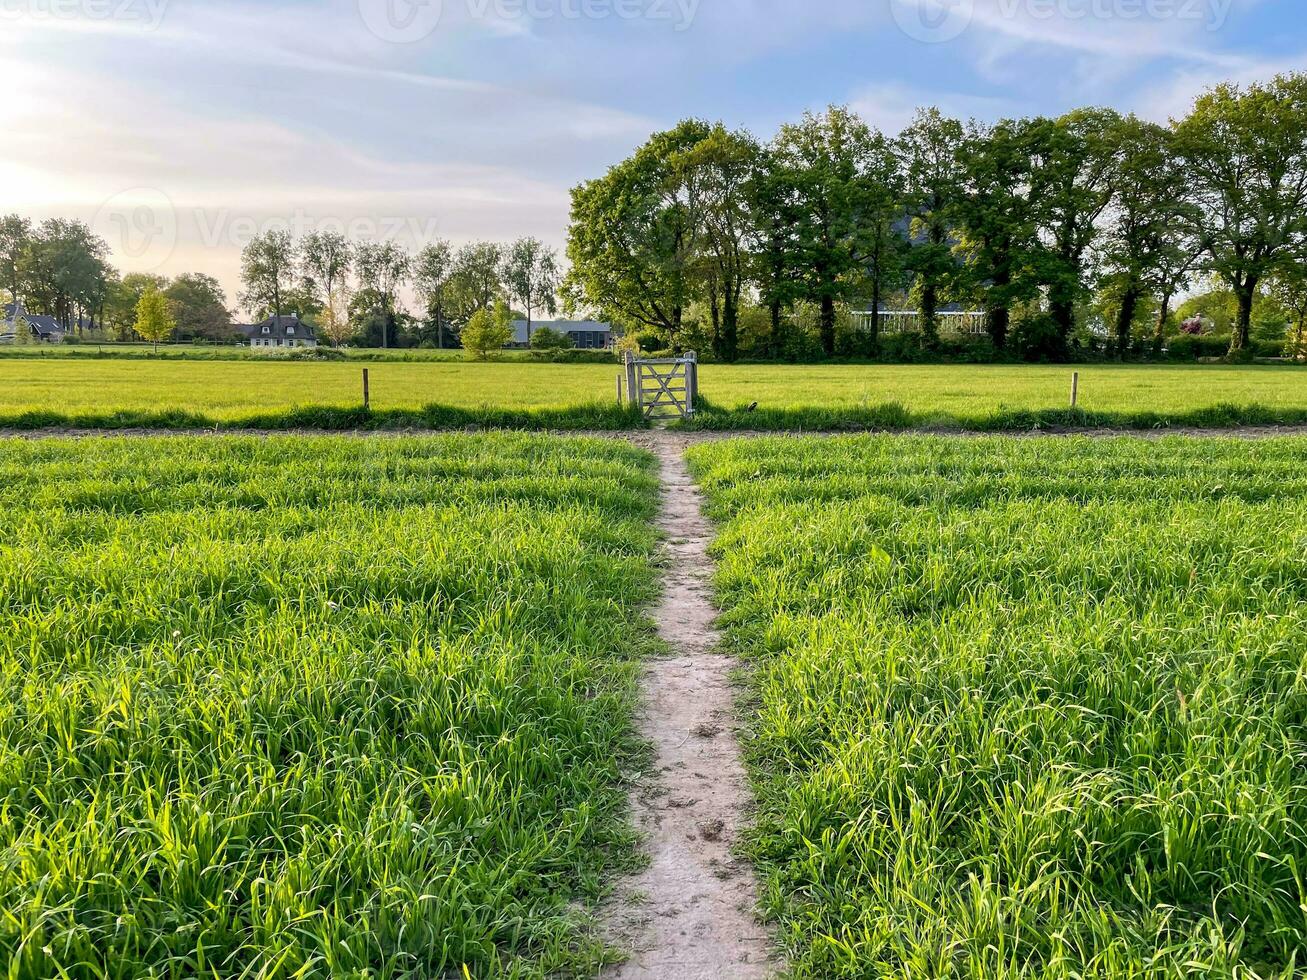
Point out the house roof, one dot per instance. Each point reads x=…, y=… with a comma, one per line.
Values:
x=44, y=326
x=562, y=326
x=279, y=327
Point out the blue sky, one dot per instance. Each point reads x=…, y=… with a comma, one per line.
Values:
x=181, y=127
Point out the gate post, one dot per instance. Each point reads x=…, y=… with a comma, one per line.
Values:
x=633, y=394
x=691, y=381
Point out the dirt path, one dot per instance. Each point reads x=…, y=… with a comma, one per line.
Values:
x=689, y=916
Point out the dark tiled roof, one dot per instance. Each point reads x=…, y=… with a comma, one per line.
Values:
x=279, y=327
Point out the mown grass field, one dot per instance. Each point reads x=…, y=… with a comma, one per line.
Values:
x=1024, y=708
x=315, y=706
x=266, y=393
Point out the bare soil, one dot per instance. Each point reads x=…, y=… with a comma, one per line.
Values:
x=690, y=914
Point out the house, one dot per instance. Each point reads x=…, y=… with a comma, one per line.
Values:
x=279, y=331
x=585, y=334
x=43, y=328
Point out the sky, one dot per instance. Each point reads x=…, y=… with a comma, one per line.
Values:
x=180, y=128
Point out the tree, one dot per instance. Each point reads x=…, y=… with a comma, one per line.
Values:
x=199, y=307
x=1076, y=159
x=325, y=260
x=1245, y=149
x=488, y=330
x=1153, y=230
x=530, y=276
x=154, y=320
x=432, y=271
x=934, y=185
x=1289, y=288
x=996, y=229
x=63, y=272
x=829, y=162
x=632, y=234
x=268, y=273
x=719, y=168
x=474, y=283
x=15, y=236
x=774, y=242
x=549, y=339
x=383, y=268
x=123, y=295
x=334, y=319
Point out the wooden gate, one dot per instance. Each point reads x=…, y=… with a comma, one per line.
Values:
x=664, y=388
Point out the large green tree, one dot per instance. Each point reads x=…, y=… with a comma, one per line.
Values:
x=774, y=243
x=718, y=171
x=382, y=268
x=476, y=280
x=996, y=228
x=199, y=307
x=832, y=164
x=1075, y=162
x=268, y=273
x=63, y=271
x=631, y=242
x=433, y=268
x=15, y=236
x=934, y=177
x=1153, y=229
x=1245, y=150
x=531, y=277
x=325, y=261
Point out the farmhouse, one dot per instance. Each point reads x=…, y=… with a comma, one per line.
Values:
x=43, y=328
x=279, y=331
x=585, y=334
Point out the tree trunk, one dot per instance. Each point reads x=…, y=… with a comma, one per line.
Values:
x=1159, y=331
x=1246, y=293
x=715, y=311
x=1125, y=319
x=828, y=325
x=731, y=326
x=1063, y=310
x=873, y=334
x=929, y=314
x=777, y=345
x=999, y=317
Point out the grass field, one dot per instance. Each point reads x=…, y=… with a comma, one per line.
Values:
x=1024, y=708
x=315, y=707
x=56, y=391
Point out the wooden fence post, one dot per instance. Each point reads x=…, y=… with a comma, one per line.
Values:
x=619, y=391
x=367, y=394
x=1075, y=389
x=633, y=396
x=691, y=381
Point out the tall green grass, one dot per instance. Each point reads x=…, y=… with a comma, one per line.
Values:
x=1024, y=709
x=315, y=707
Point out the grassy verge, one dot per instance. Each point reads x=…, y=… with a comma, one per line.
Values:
x=595, y=417
x=896, y=418
x=1024, y=709
x=315, y=707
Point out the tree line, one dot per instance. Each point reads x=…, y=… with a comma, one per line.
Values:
x=349, y=291
x=1063, y=231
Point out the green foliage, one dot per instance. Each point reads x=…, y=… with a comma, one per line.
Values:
x=199, y=306
x=154, y=320
x=488, y=330
x=549, y=339
x=301, y=707
x=1023, y=709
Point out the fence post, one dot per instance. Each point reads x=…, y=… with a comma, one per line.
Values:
x=619, y=391
x=1075, y=389
x=691, y=381
x=633, y=395
x=367, y=394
